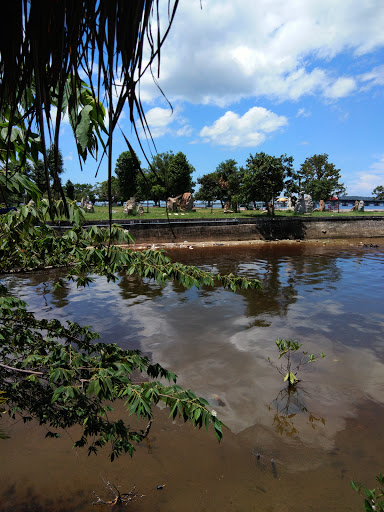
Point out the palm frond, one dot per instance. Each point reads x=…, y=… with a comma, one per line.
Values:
x=51, y=40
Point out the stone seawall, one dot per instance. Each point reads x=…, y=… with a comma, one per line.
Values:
x=263, y=228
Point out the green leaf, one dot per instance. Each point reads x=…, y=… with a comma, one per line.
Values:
x=57, y=393
x=368, y=506
x=83, y=127
x=94, y=387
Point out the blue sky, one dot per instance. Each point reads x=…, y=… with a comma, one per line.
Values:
x=281, y=76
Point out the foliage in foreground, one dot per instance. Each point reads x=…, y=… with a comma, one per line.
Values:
x=372, y=500
x=287, y=349
x=60, y=376
x=27, y=243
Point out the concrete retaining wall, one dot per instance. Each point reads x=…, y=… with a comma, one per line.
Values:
x=263, y=228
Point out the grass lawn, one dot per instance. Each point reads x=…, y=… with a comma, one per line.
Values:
x=101, y=213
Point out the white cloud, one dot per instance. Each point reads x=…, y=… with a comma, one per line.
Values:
x=251, y=129
x=163, y=121
x=343, y=86
x=68, y=157
x=378, y=167
x=365, y=182
x=185, y=131
x=64, y=119
x=302, y=112
x=373, y=78
x=159, y=120
x=228, y=50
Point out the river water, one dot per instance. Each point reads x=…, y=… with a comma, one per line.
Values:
x=281, y=452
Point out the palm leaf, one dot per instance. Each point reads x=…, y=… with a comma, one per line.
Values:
x=50, y=41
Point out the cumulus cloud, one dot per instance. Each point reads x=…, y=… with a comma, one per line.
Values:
x=159, y=120
x=162, y=121
x=228, y=51
x=364, y=182
x=251, y=129
x=343, y=86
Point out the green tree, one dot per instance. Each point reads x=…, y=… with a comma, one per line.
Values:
x=56, y=169
x=101, y=190
x=144, y=185
x=84, y=190
x=209, y=188
x=70, y=189
x=59, y=375
x=158, y=177
x=127, y=170
x=320, y=178
x=229, y=180
x=264, y=176
x=378, y=192
x=171, y=175
x=38, y=173
x=180, y=175
x=38, y=176
x=14, y=185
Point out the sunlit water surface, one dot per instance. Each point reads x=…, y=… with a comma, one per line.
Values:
x=330, y=431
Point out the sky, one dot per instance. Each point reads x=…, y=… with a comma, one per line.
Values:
x=295, y=77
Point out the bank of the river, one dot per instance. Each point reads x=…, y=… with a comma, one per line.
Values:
x=157, y=231
x=244, y=244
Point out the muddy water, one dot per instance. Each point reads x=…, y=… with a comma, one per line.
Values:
x=330, y=431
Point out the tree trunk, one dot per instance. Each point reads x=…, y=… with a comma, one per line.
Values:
x=270, y=208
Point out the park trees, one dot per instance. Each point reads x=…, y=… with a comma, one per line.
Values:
x=209, y=188
x=158, y=177
x=229, y=180
x=320, y=178
x=55, y=165
x=84, y=190
x=102, y=190
x=378, y=192
x=179, y=175
x=145, y=182
x=264, y=176
x=127, y=170
x=70, y=189
x=170, y=175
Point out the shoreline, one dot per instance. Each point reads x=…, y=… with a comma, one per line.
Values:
x=355, y=242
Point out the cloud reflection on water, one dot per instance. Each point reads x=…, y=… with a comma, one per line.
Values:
x=219, y=342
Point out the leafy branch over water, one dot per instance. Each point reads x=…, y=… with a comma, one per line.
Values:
x=28, y=243
x=373, y=497
x=59, y=374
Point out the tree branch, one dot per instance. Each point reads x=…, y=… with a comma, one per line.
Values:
x=20, y=370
